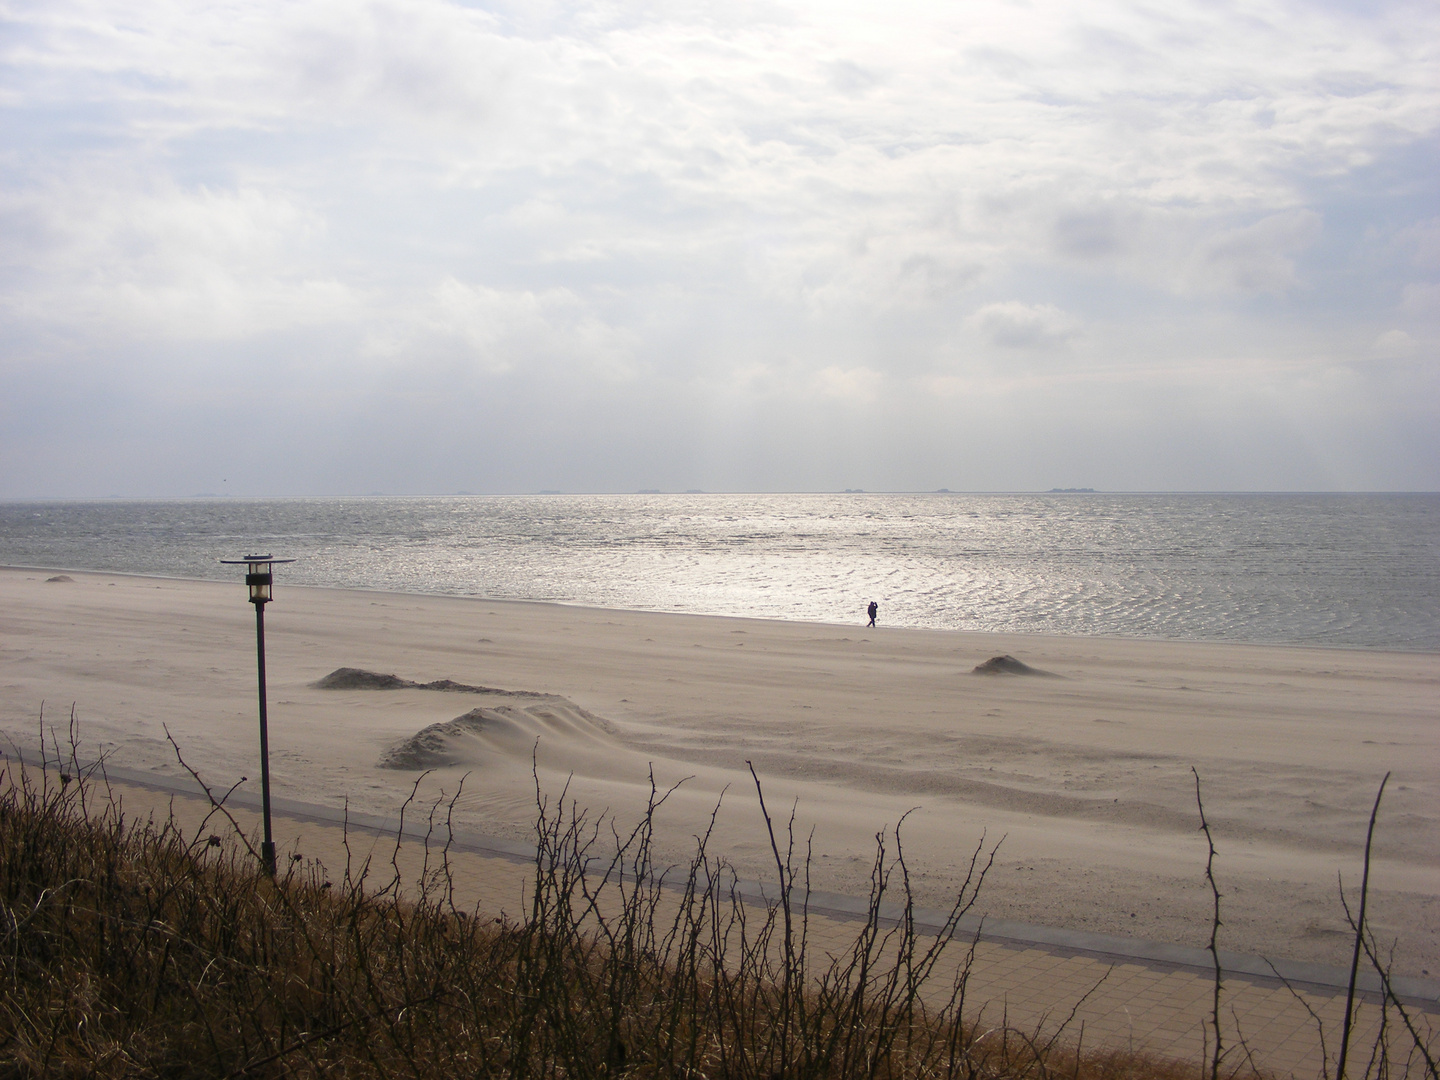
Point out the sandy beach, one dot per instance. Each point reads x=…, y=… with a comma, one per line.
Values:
x=1083, y=778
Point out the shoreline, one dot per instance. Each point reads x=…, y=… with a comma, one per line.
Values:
x=857, y=624
x=1087, y=777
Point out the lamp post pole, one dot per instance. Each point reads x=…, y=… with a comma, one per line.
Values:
x=259, y=578
x=267, y=846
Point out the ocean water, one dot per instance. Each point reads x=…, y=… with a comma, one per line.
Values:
x=1351, y=570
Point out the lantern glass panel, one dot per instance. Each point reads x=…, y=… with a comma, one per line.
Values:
x=259, y=579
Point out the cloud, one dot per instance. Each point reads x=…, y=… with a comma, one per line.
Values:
x=1011, y=324
x=1090, y=234
x=706, y=214
x=859, y=385
x=1393, y=344
x=1258, y=258
x=477, y=329
x=1423, y=237
x=107, y=257
x=1421, y=298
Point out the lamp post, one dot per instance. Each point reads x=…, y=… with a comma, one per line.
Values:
x=258, y=578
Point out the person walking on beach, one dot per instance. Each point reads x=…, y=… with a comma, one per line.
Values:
x=872, y=611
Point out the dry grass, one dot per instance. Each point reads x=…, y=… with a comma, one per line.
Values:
x=128, y=949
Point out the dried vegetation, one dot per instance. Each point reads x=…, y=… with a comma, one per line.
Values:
x=128, y=949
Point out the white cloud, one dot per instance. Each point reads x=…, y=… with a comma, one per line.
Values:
x=1421, y=298
x=1010, y=324
x=1423, y=237
x=476, y=329
x=1393, y=344
x=160, y=262
x=791, y=201
x=860, y=385
x=1258, y=258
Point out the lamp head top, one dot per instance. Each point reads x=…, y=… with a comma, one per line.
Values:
x=259, y=578
x=256, y=561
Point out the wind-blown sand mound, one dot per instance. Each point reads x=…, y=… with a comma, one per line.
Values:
x=514, y=726
x=481, y=735
x=1008, y=665
x=349, y=678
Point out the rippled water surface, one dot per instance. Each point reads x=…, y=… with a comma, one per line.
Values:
x=1311, y=569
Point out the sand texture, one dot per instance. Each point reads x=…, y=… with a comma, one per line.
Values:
x=1084, y=777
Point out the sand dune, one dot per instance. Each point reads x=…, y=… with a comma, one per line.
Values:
x=1008, y=665
x=515, y=727
x=1087, y=778
x=482, y=735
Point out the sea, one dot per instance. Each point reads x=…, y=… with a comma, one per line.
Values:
x=1354, y=570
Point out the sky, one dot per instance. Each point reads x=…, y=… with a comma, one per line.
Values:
x=303, y=247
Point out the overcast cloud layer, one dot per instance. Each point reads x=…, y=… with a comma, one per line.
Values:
x=315, y=247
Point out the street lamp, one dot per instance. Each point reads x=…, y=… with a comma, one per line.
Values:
x=258, y=579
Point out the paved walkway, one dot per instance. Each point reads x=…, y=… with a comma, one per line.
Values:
x=1108, y=991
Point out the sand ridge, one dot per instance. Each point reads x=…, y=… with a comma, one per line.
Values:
x=1087, y=777
x=348, y=678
